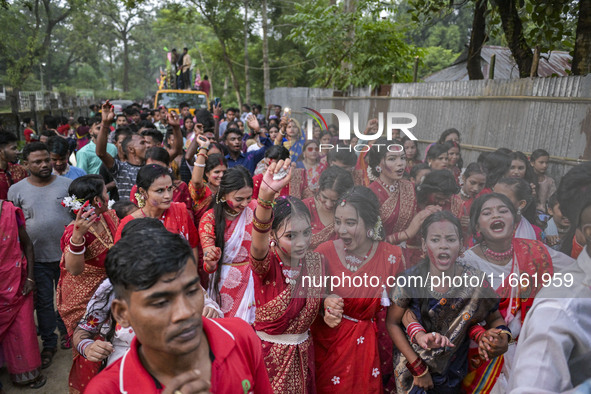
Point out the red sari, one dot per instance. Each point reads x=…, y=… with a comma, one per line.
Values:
x=201, y=198
x=461, y=208
x=347, y=356
x=238, y=274
x=320, y=232
x=74, y=292
x=287, y=308
x=532, y=258
x=17, y=326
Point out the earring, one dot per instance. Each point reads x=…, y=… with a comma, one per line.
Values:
x=378, y=169
x=370, y=233
x=519, y=211
x=272, y=243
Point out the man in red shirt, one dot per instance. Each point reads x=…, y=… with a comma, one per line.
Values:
x=10, y=173
x=157, y=293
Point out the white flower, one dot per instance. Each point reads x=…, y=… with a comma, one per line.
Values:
x=336, y=380
x=392, y=259
x=375, y=372
x=360, y=340
x=110, y=204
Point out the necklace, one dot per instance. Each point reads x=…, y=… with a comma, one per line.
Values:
x=290, y=274
x=391, y=188
x=467, y=197
x=353, y=262
x=497, y=256
x=230, y=213
x=110, y=242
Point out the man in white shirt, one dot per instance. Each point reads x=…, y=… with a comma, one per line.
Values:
x=554, y=351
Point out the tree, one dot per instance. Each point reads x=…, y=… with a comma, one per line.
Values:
x=582, y=51
x=373, y=50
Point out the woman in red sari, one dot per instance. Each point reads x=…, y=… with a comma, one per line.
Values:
x=334, y=182
x=411, y=151
x=85, y=244
x=158, y=155
x=310, y=161
x=155, y=190
x=208, y=171
x=18, y=337
x=225, y=234
x=285, y=305
x=345, y=341
x=499, y=255
x=397, y=197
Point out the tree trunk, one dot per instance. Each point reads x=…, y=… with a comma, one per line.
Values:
x=513, y=29
x=477, y=39
x=230, y=68
x=246, y=78
x=582, y=53
x=125, y=64
x=266, y=71
x=111, y=67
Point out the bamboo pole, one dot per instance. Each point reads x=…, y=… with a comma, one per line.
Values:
x=491, y=68
x=479, y=148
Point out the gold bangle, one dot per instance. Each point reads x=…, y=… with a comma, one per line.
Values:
x=509, y=334
x=424, y=373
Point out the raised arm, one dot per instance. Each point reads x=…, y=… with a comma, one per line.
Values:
x=107, y=116
x=264, y=212
x=217, y=116
x=199, y=167
x=177, y=148
x=193, y=146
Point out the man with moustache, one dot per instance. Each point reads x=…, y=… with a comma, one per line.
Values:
x=39, y=196
x=176, y=350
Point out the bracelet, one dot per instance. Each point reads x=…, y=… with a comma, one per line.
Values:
x=205, y=268
x=83, y=345
x=199, y=165
x=265, y=182
x=202, y=154
x=505, y=330
x=413, y=329
x=80, y=245
x=80, y=252
x=31, y=280
x=262, y=227
x=216, y=116
x=405, y=233
x=266, y=204
x=476, y=332
x=418, y=368
x=203, y=147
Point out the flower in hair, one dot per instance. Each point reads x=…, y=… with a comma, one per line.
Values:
x=72, y=202
x=343, y=202
x=110, y=204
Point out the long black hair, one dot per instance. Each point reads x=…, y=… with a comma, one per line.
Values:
x=234, y=179
x=424, y=264
x=437, y=181
x=497, y=164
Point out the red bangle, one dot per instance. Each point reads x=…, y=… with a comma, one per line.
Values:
x=216, y=116
x=205, y=268
x=418, y=368
x=475, y=332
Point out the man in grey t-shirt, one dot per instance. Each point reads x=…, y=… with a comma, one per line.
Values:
x=39, y=196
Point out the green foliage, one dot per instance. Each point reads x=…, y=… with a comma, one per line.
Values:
x=434, y=59
x=354, y=47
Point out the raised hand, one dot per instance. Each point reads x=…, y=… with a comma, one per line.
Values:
x=253, y=123
x=173, y=119
x=276, y=177
x=107, y=112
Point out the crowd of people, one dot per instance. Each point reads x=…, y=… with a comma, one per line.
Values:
x=224, y=251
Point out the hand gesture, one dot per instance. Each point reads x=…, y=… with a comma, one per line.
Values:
x=211, y=257
x=189, y=382
x=276, y=169
x=203, y=141
x=108, y=112
x=372, y=127
x=84, y=220
x=334, y=307
x=198, y=128
x=283, y=125
x=98, y=351
x=492, y=344
x=173, y=119
x=253, y=123
x=217, y=110
x=417, y=221
x=432, y=340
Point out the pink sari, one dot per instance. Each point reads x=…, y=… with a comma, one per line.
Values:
x=18, y=335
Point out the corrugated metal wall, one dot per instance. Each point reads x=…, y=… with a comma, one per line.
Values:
x=524, y=114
